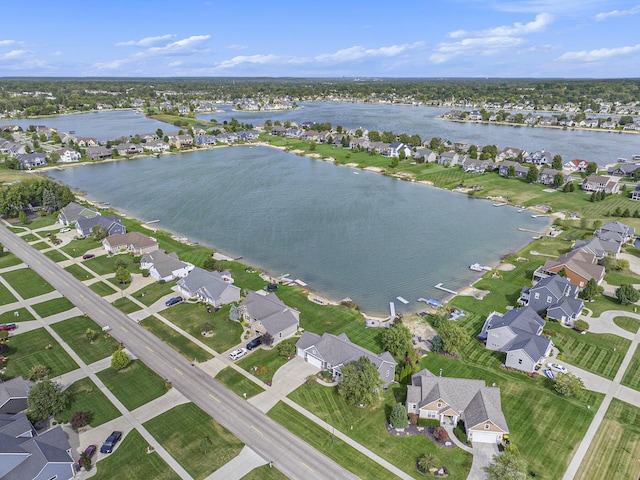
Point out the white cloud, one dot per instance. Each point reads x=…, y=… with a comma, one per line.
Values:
x=175, y=64
x=553, y=6
x=599, y=54
x=185, y=46
x=617, y=13
x=146, y=42
x=7, y=42
x=13, y=54
x=358, y=53
x=541, y=21
x=57, y=53
x=111, y=65
x=236, y=46
x=254, y=59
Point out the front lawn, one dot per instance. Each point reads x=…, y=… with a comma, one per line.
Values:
x=55, y=256
x=618, y=278
x=41, y=245
x=631, y=376
x=77, y=248
x=148, y=385
x=238, y=383
x=262, y=357
x=601, y=354
x=8, y=259
x=43, y=221
x=52, y=307
x=37, y=347
x=152, y=293
x=613, y=452
x=334, y=448
x=79, y=273
x=102, y=289
x=74, y=332
x=24, y=315
x=104, y=265
x=627, y=323
x=126, y=305
x=6, y=297
x=131, y=460
x=175, y=340
x=603, y=303
x=27, y=283
x=192, y=318
x=85, y=396
x=194, y=439
x=265, y=472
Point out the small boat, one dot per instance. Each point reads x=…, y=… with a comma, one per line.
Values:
x=549, y=373
x=476, y=267
x=636, y=158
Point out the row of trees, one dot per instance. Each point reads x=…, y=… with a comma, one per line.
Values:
x=50, y=195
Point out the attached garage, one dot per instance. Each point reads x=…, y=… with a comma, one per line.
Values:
x=485, y=437
x=316, y=362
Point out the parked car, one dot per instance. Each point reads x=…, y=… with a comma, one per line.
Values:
x=557, y=367
x=90, y=451
x=173, y=301
x=255, y=343
x=272, y=287
x=8, y=326
x=110, y=443
x=236, y=354
x=65, y=230
x=87, y=256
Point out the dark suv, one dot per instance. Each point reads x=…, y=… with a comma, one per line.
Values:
x=255, y=343
x=110, y=443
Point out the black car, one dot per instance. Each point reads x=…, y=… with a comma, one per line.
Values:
x=110, y=443
x=173, y=301
x=255, y=343
x=272, y=287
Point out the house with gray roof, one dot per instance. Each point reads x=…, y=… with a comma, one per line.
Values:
x=208, y=287
x=519, y=169
x=554, y=296
x=133, y=242
x=451, y=399
x=30, y=160
x=98, y=152
x=70, y=214
x=266, y=313
x=111, y=224
x=517, y=333
x=599, y=247
x=616, y=231
x=13, y=395
x=164, y=266
x=24, y=455
x=425, y=155
x=331, y=352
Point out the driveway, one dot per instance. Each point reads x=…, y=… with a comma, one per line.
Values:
x=482, y=455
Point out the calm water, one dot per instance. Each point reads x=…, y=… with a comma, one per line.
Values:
x=361, y=235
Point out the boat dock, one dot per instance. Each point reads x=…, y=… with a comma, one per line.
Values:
x=403, y=300
x=531, y=231
x=152, y=221
x=538, y=216
x=392, y=310
x=440, y=287
x=500, y=204
x=476, y=267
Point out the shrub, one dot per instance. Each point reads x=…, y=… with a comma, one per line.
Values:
x=145, y=272
x=38, y=372
x=262, y=370
x=79, y=420
x=440, y=434
x=287, y=348
x=460, y=434
x=427, y=462
x=428, y=422
x=311, y=380
x=398, y=417
x=120, y=360
x=413, y=418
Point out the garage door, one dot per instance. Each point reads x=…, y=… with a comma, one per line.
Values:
x=316, y=362
x=485, y=437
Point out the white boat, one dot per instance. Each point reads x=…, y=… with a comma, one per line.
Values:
x=476, y=267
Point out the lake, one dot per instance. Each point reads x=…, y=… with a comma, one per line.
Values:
x=344, y=231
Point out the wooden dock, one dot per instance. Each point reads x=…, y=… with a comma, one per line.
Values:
x=440, y=287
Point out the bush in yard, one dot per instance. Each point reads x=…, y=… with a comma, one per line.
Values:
x=569, y=385
x=398, y=418
x=145, y=272
x=91, y=334
x=427, y=462
x=85, y=462
x=437, y=345
x=121, y=263
x=120, y=360
x=428, y=422
x=79, y=420
x=460, y=434
x=311, y=380
x=508, y=466
x=38, y=372
x=262, y=370
x=627, y=294
x=440, y=434
x=267, y=339
x=46, y=398
x=287, y=348
x=580, y=325
x=413, y=418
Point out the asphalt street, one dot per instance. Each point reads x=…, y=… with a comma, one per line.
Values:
x=274, y=443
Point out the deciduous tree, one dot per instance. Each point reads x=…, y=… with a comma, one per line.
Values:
x=532, y=174
x=626, y=293
x=359, y=382
x=556, y=163
x=397, y=339
x=508, y=466
x=120, y=360
x=569, y=385
x=46, y=398
x=454, y=337
x=123, y=275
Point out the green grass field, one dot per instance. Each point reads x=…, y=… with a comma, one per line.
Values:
x=367, y=426
x=175, y=340
x=55, y=256
x=6, y=297
x=238, y=383
x=131, y=460
x=43, y=221
x=631, y=376
x=41, y=245
x=320, y=439
x=24, y=315
x=268, y=358
x=192, y=317
x=265, y=472
x=194, y=439
x=102, y=289
x=627, y=323
x=150, y=294
x=148, y=385
x=77, y=248
x=126, y=305
x=102, y=264
x=601, y=354
x=619, y=278
x=73, y=332
x=52, y=307
x=78, y=272
x=27, y=283
x=614, y=450
x=85, y=396
x=30, y=237
x=8, y=259
x=27, y=350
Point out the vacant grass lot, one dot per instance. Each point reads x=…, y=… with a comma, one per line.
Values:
x=238, y=383
x=367, y=426
x=27, y=283
x=601, y=354
x=52, y=307
x=126, y=305
x=8, y=259
x=152, y=293
x=102, y=289
x=43, y=221
x=77, y=248
x=619, y=278
x=629, y=324
x=631, y=376
x=41, y=245
x=131, y=460
x=73, y=332
x=6, y=297
x=79, y=273
x=268, y=358
x=27, y=350
x=182, y=430
x=24, y=315
x=320, y=439
x=86, y=397
x=192, y=318
x=265, y=472
x=55, y=256
x=148, y=385
x=30, y=237
x=175, y=340
x=613, y=453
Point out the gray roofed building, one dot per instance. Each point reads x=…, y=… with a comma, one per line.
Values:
x=554, y=295
x=135, y=242
x=598, y=247
x=208, y=287
x=616, y=231
x=70, y=214
x=98, y=152
x=13, y=395
x=265, y=312
x=331, y=352
x=111, y=224
x=30, y=160
x=164, y=266
x=451, y=399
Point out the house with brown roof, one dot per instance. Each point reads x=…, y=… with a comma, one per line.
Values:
x=579, y=266
x=134, y=242
x=451, y=399
x=598, y=183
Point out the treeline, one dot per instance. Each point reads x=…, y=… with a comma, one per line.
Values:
x=41, y=193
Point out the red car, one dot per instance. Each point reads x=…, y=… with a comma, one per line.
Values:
x=8, y=326
x=90, y=451
x=3, y=359
x=87, y=256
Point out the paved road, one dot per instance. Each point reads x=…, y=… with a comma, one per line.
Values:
x=290, y=455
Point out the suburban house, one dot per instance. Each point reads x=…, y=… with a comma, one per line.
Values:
x=451, y=399
x=517, y=333
x=616, y=231
x=133, y=242
x=547, y=176
x=67, y=154
x=510, y=153
x=29, y=456
x=208, y=287
x=395, y=148
x=627, y=170
x=555, y=297
x=331, y=352
x=156, y=146
x=540, y=157
x=128, y=149
x=477, y=166
x=597, y=183
x=266, y=313
x=30, y=160
x=98, y=152
x=163, y=266
x=426, y=155
x=579, y=266
x=576, y=165
x=599, y=248
x=13, y=395
x=111, y=224
x=70, y=214
x=635, y=195
x=450, y=158
x=87, y=142
x=520, y=170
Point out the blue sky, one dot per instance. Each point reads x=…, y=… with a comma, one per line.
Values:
x=411, y=38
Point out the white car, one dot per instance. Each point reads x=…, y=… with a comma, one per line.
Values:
x=236, y=354
x=557, y=367
x=65, y=230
